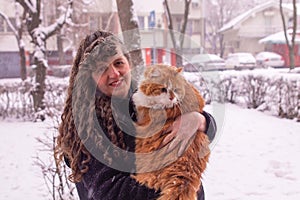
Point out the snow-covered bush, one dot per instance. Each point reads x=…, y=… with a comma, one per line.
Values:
x=227, y=88
x=55, y=174
x=16, y=100
x=289, y=102
x=254, y=89
x=274, y=91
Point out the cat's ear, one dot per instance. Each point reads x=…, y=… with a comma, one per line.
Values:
x=179, y=69
x=155, y=73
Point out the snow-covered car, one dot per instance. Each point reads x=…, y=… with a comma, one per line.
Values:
x=269, y=59
x=240, y=60
x=204, y=62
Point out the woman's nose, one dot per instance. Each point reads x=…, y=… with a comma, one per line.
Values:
x=113, y=72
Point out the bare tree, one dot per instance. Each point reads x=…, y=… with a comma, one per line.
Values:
x=178, y=46
x=69, y=36
x=130, y=30
x=221, y=12
x=18, y=32
x=77, y=28
x=39, y=34
x=59, y=37
x=290, y=43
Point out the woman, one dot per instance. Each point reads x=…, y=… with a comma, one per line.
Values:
x=96, y=135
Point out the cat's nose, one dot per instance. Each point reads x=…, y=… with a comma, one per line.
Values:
x=171, y=96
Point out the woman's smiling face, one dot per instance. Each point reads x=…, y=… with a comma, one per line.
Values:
x=114, y=78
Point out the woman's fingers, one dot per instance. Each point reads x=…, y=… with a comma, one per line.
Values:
x=168, y=138
x=183, y=131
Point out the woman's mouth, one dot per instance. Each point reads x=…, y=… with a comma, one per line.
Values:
x=116, y=83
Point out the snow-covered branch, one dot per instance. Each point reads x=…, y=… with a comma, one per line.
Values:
x=71, y=23
x=28, y=5
x=4, y=16
x=50, y=30
x=70, y=44
x=41, y=34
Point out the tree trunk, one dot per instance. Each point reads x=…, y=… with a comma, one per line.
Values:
x=130, y=31
x=222, y=45
x=59, y=41
x=292, y=53
x=23, y=63
x=291, y=46
x=39, y=36
x=60, y=49
x=178, y=47
x=292, y=56
x=39, y=90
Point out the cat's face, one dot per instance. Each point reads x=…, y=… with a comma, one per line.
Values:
x=161, y=88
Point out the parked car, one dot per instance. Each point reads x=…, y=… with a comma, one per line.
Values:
x=269, y=59
x=240, y=61
x=204, y=62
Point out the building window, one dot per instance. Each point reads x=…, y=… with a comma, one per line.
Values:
x=1, y=24
x=13, y=22
x=196, y=26
x=269, y=25
x=195, y=4
x=141, y=22
x=237, y=44
x=189, y=27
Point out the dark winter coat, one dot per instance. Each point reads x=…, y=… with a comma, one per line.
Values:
x=104, y=183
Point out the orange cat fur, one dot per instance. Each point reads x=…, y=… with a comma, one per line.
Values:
x=162, y=96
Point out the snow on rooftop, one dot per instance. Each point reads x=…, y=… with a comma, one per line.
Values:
x=246, y=15
x=279, y=38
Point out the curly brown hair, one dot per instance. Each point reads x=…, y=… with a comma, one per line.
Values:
x=78, y=125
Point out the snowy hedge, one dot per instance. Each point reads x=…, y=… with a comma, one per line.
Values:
x=273, y=91
x=16, y=100
x=267, y=90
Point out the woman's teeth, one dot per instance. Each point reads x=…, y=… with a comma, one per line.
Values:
x=116, y=83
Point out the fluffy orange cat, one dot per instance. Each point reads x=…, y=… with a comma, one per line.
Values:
x=162, y=96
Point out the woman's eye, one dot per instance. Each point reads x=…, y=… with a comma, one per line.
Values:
x=101, y=69
x=118, y=63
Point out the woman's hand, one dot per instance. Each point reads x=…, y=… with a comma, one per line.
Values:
x=183, y=130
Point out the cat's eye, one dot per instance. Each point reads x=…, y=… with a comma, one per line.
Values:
x=164, y=90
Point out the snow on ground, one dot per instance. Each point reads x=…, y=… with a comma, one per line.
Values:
x=256, y=156
x=20, y=179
